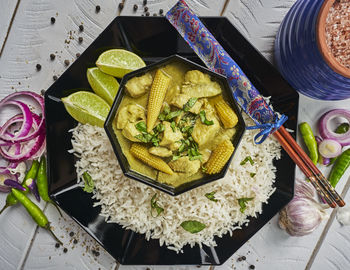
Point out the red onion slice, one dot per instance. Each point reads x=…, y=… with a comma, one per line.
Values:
x=3, y=177
x=327, y=133
x=27, y=121
x=27, y=149
x=39, y=99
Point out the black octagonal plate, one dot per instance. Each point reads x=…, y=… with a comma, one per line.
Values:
x=153, y=39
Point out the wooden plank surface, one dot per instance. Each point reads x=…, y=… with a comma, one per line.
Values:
x=7, y=16
x=258, y=21
x=33, y=38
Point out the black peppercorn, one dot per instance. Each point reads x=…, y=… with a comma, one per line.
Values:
x=81, y=27
x=161, y=11
x=54, y=77
x=57, y=245
x=66, y=62
x=80, y=39
x=147, y=14
x=77, y=55
x=42, y=92
x=53, y=20
x=71, y=234
x=135, y=7
x=144, y=2
x=155, y=14
x=52, y=56
x=65, y=250
x=75, y=241
x=251, y=266
x=121, y=6
x=38, y=67
x=98, y=8
x=145, y=9
x=244, y=258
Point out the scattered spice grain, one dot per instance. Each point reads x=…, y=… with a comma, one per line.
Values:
x=65, y=250
x=252, y=266
x=77, y=55
x=75, y=241
x=66, y=62
x=52, y=56
x=54, y=77
x=81, y=28
x=154, y=14
x=97, y=9
x=147, y=13
x=161, y=11
x=71, y=234
x=145, y=9
x=53, y=20
x=42, y=92
x=57, y=245
x=144, y=2
x=38, y=67
x=121, y=6
x=80, y=39
x=135, y=7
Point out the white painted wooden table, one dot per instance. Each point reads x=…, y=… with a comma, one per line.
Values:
x=31, y=40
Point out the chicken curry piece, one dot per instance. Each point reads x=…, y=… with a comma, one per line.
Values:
x=174, y=125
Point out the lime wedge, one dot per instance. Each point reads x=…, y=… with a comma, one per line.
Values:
x=118, y=62
x=87, y=108
x=104, y=85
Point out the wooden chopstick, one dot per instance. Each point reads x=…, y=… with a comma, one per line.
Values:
x=295, y=157
x=324, y=183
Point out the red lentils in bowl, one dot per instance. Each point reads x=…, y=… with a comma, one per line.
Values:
x=338, y=32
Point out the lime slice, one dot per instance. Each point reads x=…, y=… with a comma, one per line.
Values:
x=87, y=108
x=118, y=62
x=104, y=85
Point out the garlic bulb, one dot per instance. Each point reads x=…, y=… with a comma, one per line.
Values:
x=303, y=214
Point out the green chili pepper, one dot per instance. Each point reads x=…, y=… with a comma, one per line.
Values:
x=42, y=184
x=36, y=213
x=32, y=173
x=309, y=140
x=339, y=168
x=342, y=128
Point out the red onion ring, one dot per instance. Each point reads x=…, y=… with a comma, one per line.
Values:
x=39, y=99
x=27, y=123
x=326, y=133
x=13, y=153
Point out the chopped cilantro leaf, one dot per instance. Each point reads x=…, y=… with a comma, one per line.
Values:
x=88, y=182
x=242, y=203
x=155, y=206
x=173, y=126
x=211, y=196
x=189, y=104
x=248, y=158
x=204, y=119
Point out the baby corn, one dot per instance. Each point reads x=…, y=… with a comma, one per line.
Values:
x=156, y=97
x=227, y=116
x=219, y=157
x=140, y=152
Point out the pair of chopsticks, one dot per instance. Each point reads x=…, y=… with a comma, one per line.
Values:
x=320, y=183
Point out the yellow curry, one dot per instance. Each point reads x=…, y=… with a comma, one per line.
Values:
x=174, y=125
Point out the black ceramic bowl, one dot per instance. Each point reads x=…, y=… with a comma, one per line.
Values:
x=153, y=38
x=124, y=164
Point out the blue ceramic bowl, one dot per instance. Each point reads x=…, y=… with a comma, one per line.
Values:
x=303, y=58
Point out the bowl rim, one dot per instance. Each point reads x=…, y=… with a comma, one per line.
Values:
x=173, y=191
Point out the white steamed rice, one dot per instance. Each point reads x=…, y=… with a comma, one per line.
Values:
x=127, y=202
